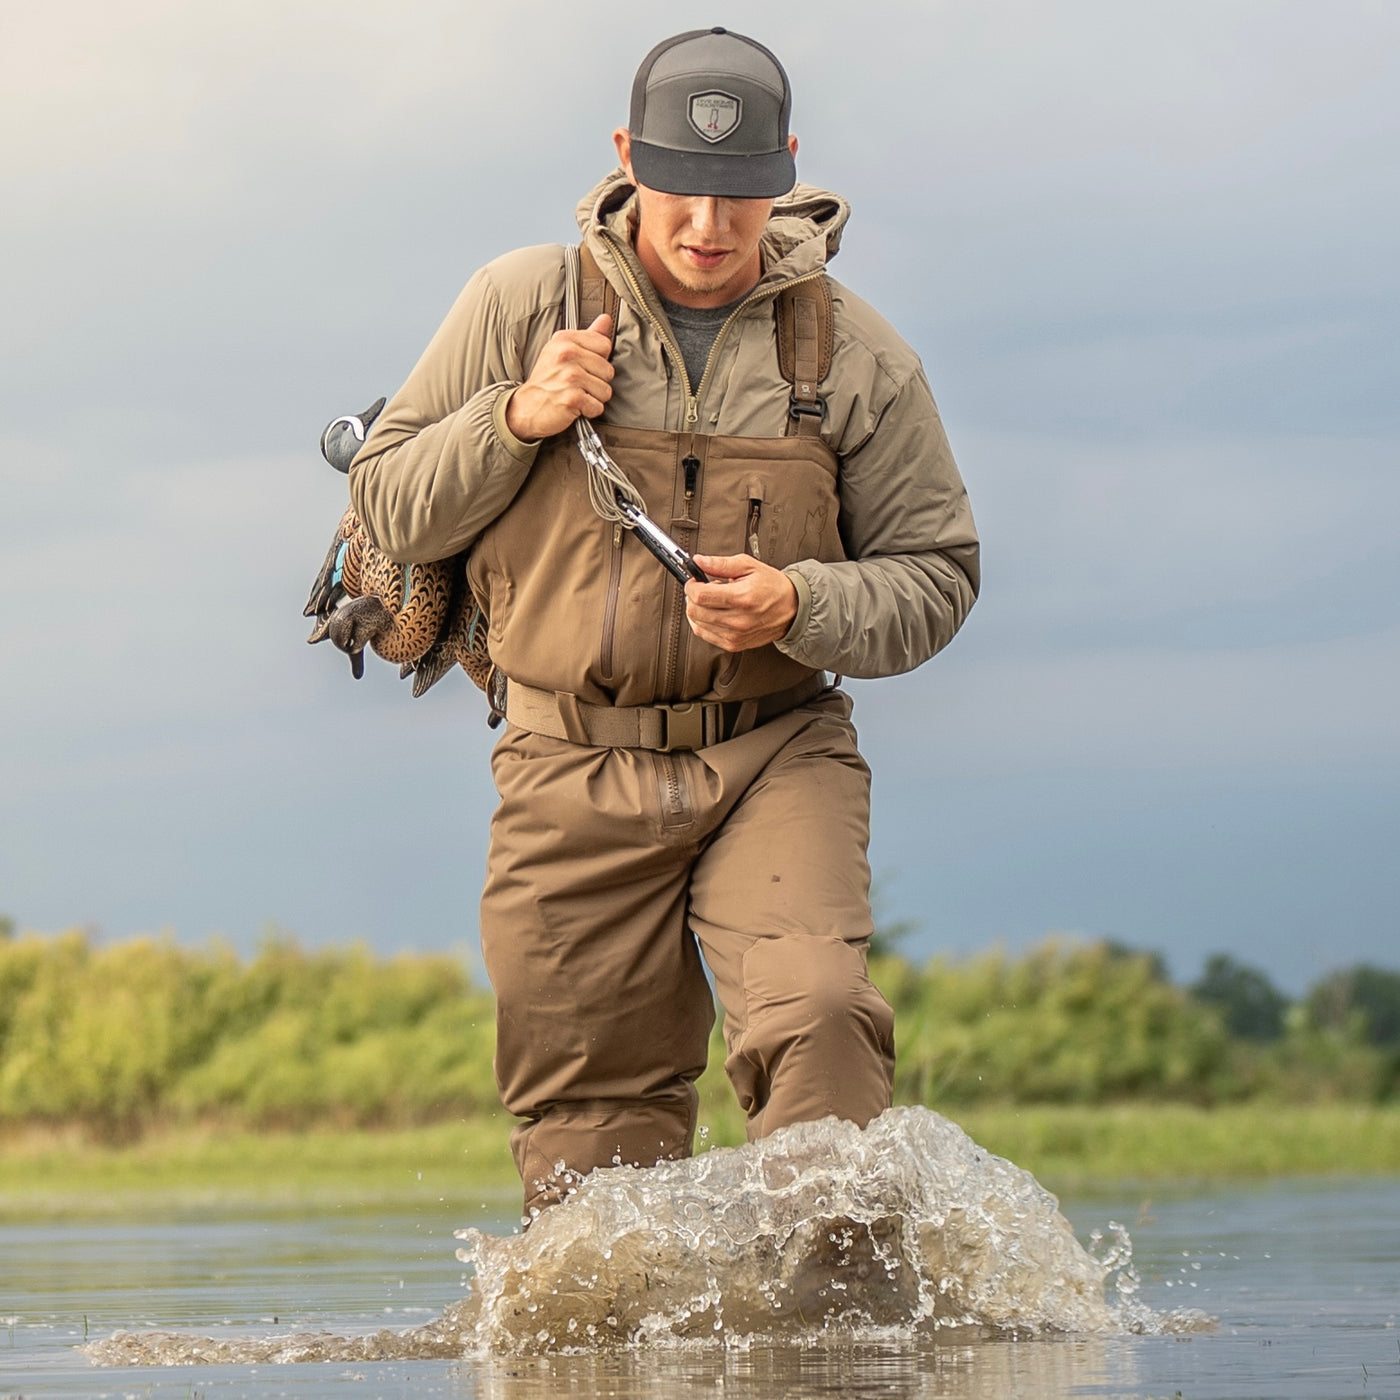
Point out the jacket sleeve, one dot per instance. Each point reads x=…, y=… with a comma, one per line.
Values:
x=911, y=573
x=439, y=463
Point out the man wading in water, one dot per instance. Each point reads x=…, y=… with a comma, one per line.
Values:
x=679, y=773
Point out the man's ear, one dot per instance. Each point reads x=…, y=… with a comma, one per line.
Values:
x=622, y=142
x=792, y=146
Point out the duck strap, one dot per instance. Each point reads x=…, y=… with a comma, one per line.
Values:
x=805, y=336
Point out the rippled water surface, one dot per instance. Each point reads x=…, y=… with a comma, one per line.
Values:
x=899, y=1262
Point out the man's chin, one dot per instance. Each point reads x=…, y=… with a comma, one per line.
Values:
x=699, y=282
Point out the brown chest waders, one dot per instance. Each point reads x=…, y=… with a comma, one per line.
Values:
x=657, y=792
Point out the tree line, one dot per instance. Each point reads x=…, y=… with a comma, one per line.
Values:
x=121, y=1037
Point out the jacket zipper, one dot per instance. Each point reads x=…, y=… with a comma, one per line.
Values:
x=757, y=295
x=692, y=411
x=692, y=398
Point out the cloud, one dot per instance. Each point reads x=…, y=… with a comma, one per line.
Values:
x=1146, y=252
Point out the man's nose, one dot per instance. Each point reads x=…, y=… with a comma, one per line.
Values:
x=707, y=214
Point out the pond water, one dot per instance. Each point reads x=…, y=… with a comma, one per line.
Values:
x=744, y=1275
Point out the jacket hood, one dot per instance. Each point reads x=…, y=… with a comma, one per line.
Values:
x=803, y=233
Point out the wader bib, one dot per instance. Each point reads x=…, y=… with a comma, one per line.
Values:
x=581, y=612
x=656, y=791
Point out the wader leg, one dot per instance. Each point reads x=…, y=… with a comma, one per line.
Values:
x=603, y=1010
x=780, y=904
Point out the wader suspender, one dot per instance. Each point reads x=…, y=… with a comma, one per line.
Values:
x=596, y=295
x=804, y=351
x=803, y=315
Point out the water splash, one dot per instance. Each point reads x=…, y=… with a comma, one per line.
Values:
x=821, y=1231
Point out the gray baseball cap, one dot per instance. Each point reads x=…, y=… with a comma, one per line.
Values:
x=710, y=116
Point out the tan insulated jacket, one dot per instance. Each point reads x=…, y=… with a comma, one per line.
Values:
x=440, y=464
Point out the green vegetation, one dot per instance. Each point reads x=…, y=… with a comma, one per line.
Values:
x=48, y=1173
x=144, y=1033
x=1250, y=1005
x=1096, y=1023
x=143, y=1066
x=1361, y=1002
x=1076, y=1148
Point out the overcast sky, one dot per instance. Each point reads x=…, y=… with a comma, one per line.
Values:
x=1147, y=253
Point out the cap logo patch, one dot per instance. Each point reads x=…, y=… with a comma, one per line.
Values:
x=714, y=114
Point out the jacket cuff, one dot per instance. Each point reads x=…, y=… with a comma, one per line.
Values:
x=521, y=451
x=800, y=623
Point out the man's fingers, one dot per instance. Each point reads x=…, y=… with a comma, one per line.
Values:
x=571, y=379
x=748, y=605
x=587, y=382
x=585, y=351
x=594, y=341
x=727, y=565
x=588, y=405
x=714, y=597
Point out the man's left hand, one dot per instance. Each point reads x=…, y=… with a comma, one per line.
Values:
x=749, y=603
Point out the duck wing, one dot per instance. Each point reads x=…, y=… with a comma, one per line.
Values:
x=453, y=636
x=328, y=588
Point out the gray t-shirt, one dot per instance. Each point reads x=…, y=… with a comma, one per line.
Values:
x=696, y=329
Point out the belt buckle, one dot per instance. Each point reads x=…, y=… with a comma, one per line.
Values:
x=683, y=726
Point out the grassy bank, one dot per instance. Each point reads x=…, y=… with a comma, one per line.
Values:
x=1072, y=1148
x=44, y=1174
x=145, y=1075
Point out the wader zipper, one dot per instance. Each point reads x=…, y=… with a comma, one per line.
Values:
x=671, y=654
x=605, y=655
x=751, y=528
x=675, y=799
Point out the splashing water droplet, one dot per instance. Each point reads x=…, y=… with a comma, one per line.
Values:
x=822, y=1230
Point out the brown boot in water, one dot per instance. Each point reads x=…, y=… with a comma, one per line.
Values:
x=839, y=1267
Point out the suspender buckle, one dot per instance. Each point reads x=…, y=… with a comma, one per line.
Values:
x=798, y=409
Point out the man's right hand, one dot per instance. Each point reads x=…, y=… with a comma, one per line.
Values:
x=572, y=378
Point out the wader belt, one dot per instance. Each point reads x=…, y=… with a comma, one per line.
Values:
x=693, y=724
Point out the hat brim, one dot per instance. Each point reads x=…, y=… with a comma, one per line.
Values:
x=727, y=175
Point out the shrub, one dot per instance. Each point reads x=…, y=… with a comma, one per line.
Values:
x=1066, y=1023
x=1363, y=1000
x=121, y=1036
x=1252, y=1006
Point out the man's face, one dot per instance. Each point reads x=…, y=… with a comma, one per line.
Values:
x=698, y=250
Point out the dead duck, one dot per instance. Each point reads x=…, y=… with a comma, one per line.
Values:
x=421, y=616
